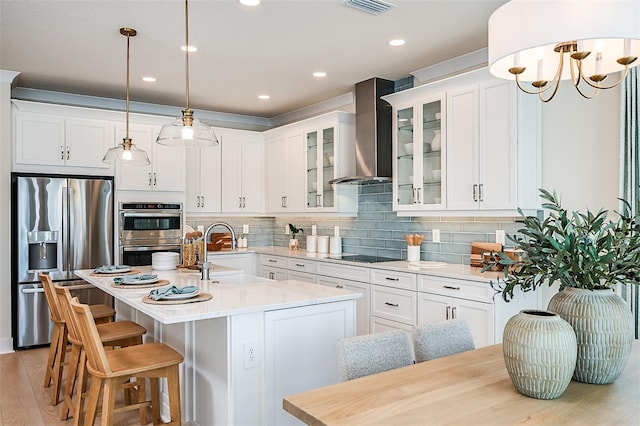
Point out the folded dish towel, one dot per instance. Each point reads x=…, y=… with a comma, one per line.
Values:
x=110, y=268
x=159, y=293
x=133, y=279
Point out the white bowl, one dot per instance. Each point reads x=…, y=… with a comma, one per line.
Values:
x=331, y=160
x=436, y=174
x=314, y=185
x=164, y=255
x=437, y=200
x=408, y=148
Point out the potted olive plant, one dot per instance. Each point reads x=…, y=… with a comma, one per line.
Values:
x=588, y=254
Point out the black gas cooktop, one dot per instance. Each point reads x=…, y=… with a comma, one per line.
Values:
x=361, y=258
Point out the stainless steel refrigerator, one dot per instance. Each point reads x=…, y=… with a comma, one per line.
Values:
x=59, y=224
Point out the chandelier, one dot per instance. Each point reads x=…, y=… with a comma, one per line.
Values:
x=126, y=153
x=187, y=130
x=546, y=41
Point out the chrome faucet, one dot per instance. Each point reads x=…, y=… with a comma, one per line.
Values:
x=208, y=231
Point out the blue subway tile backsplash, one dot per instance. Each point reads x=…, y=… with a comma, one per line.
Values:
x=377, y=230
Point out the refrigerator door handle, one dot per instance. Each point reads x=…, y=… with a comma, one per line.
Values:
x=32, y=290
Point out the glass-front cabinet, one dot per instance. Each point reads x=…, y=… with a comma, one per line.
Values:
x=329, y=154
x=320, y=168
x=419, y=155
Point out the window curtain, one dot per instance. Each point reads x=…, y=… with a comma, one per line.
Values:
x=630, y=165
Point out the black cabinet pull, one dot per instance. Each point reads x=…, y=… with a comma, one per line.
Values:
x=391, y=304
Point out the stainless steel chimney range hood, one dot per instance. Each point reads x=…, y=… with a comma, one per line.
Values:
x=373, y=134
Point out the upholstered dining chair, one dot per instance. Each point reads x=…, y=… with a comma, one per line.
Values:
x=108, y=369
x=373, y=353
x=443, y=338
x=58, y=348
x=112, y=334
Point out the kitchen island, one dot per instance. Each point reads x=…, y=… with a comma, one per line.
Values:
x=252, y=343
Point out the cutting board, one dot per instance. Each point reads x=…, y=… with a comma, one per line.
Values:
x=479, y=247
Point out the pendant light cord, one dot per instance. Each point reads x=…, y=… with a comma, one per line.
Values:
x=186, y=25
x=127, y=101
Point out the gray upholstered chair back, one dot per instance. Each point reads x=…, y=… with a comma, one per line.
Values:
x=441, y=339
x=373, y=353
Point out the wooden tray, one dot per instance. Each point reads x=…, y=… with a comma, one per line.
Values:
x=135, y=286
x=199, y=298
x=131, y=272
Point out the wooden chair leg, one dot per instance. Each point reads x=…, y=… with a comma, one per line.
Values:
x=92, y=404
x=58, y=366
x=53, y=352
x=72, y=371
x=154, y=385
x=141, y=396
x=108, y=401
x=81, y=388
x=173, y=385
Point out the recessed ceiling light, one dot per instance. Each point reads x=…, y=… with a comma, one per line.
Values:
x=319, y=74
x=263, y=96
x=396, y=42
x=149, y=79
x=249, y=2
x=191, y=49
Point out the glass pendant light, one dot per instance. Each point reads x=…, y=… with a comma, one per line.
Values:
x=186, y=129
x=126, y=153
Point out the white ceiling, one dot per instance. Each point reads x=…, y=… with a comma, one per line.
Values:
x=76, y=47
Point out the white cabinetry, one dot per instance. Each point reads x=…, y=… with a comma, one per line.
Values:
x=285, y=167
x=203, y=183
x=483, y=143
x=242, y=171
x=243, y=261
x=58, y=137
x=167, y=169
x=330, y=147
x=349, y=277
x=419, y=154
x=393, y=300
x=490, y=137
x=442, y=298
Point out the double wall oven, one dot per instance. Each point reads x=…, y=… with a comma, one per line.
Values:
x=146, y=228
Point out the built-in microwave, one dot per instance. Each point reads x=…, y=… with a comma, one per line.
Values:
x=146, y=228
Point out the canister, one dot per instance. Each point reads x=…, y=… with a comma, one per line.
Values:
x=312, y=243
x=323, y=244
x=335, y=245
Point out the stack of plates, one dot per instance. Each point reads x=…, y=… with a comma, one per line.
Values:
x=165, y=261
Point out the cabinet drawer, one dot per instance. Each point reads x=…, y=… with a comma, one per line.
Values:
x=394, y=279
x=380, y=325
x=347, y=272
x=302, y=276
x=456, y=288
x=276, y=261
x=394, y=304
x=302, y=265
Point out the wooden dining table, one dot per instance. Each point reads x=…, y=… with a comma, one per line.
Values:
x=469, y=388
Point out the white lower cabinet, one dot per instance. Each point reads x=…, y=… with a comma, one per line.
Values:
x=244, y=261
x=434, y=308
x=394, y=304
x=362, y=304
x=379, y=325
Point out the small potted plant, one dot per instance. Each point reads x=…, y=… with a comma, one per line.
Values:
x=293, y=242
x=588, y=254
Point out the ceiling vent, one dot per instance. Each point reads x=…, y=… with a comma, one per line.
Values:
x=375, y=7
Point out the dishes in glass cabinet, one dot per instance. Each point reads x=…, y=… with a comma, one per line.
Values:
x=405, y=136
x=436, y=174
x=408, y=148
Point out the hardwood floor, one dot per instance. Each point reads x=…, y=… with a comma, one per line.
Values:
x=24, y=400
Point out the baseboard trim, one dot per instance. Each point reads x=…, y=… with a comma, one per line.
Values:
x=6, y=346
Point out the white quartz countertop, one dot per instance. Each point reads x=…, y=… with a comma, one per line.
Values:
x=451, y=270
x=233, y=293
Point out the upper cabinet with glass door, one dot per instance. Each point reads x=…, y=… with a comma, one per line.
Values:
x=419, y=178
x=329, y=154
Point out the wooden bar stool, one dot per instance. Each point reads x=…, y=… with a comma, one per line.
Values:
x=114, y=334
x=57, y=349
x=109, y=368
